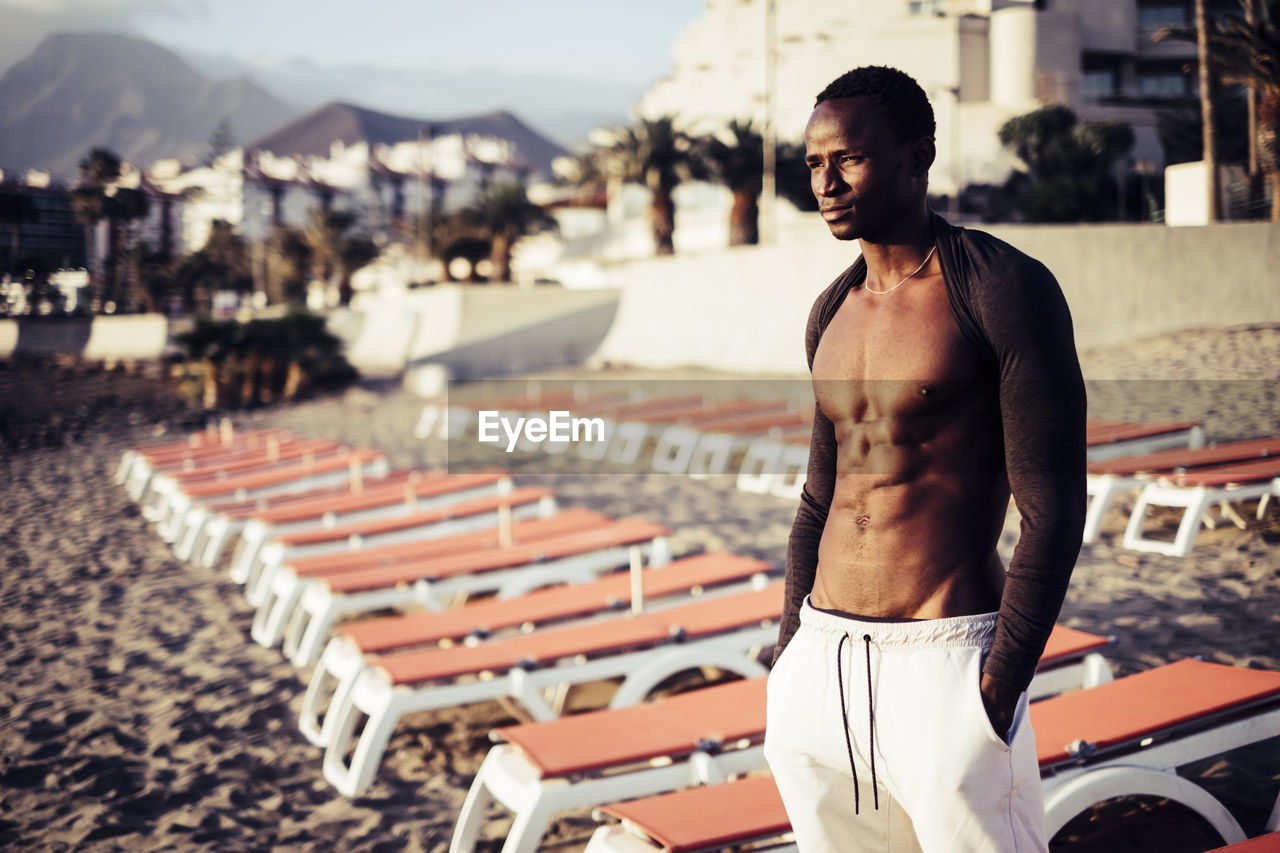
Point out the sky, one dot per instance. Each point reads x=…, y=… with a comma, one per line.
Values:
x=625, y=41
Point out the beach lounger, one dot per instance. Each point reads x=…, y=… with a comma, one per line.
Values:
x=716, y=448
x=762, y=467
x=1124, y=738
x=477, y=514
x=744, y=811
x=257, y=558
x=725, y=631
x=170, y=478
x=280, y=478
x=630, y=436
x=1109, y=439
x=1108, y=479
x=138, y=465
x=698, y=738
x=400, y=493
x=303, y=609
x=211, y=524
x=1196, y=491
x=277, y=597
x=655, y=407
x=677, y=444
x=662, y=586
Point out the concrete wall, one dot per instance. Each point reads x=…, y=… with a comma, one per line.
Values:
x=1131, y=281
x=135, y=336
x=476, y=332
x=744, y=309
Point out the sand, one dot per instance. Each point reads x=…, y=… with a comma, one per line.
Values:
x=135, y=713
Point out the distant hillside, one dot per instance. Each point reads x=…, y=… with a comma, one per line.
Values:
x=312, y=133
x=80, y=90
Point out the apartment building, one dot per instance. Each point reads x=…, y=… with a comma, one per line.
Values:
x=980, y=61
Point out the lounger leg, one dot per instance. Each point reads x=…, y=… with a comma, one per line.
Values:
x=527, y=830
x=218, y=533
x=1079, y=793
x=354, y=779
x=187, y=535
x=1195, y=503
x=246, y=552
x=1273, y=822
x=270, y=618
x=471, y=818
x=340, y=665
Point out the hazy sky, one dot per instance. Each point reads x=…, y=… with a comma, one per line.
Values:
x=615, y=40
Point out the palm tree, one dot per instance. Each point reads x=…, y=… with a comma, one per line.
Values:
x=654, y=153
x=504, y=214
x=336, y=254
x=1244, y=50
x=736, y=160
x=16, y=209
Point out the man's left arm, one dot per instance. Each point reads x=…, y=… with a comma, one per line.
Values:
x=1042, y=406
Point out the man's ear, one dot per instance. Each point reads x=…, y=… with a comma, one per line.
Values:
x=923, y=152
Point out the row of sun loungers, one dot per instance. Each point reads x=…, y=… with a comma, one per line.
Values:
x=572, y=597
x=1126, y=737
x=1166, y=464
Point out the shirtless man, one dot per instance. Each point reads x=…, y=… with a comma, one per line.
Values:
x=946, y=378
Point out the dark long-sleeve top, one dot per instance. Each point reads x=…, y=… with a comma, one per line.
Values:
x=1011, y=310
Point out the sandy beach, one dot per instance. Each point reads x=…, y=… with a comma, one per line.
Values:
x=136, y=713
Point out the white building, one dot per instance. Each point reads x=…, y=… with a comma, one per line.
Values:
x=980, y=61
x=258, y=191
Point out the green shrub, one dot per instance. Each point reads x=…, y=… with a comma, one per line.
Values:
x=229, y=364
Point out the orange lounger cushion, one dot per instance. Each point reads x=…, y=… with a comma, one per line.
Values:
x=709, y=817
x=1110, y=433
x=529, y=530
x=676, y=726
x=690, y=621
x=1129, y=709
x=1226, y=475
x=566, y=602
x=1169, y=460
x=623, y=532
x=476, y=506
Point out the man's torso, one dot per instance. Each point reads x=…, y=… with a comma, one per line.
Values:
x=920, y=491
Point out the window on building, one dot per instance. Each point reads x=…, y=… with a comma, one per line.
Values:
x=925, y=7
x=1162, y=13
x=1164, y=83
x=1098, y=84
x=1099, y=77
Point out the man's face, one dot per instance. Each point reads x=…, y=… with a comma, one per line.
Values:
x=863, y=178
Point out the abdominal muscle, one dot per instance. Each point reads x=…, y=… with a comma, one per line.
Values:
x=908, y=535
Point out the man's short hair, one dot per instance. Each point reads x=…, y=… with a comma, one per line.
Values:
x=895, y=93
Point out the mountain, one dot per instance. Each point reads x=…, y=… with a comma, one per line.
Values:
x=312, y=133
x=560, y=107
x=81, y=90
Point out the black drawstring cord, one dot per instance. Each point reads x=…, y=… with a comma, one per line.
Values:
x=844, y=713
x=871, y=725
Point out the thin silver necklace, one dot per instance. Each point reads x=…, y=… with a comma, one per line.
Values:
x=915, y=273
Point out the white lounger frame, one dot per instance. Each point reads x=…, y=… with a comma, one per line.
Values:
x=1196, y=501
x=1142, y=769
x=373, y=696
x=273, y=556
x=304, y=611
x=508, y=778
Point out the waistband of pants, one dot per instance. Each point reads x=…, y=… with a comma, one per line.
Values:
x=960, y=631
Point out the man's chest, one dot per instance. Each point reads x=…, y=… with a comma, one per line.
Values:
x=892, y=351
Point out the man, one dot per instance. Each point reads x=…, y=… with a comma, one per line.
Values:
x=945, y=376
